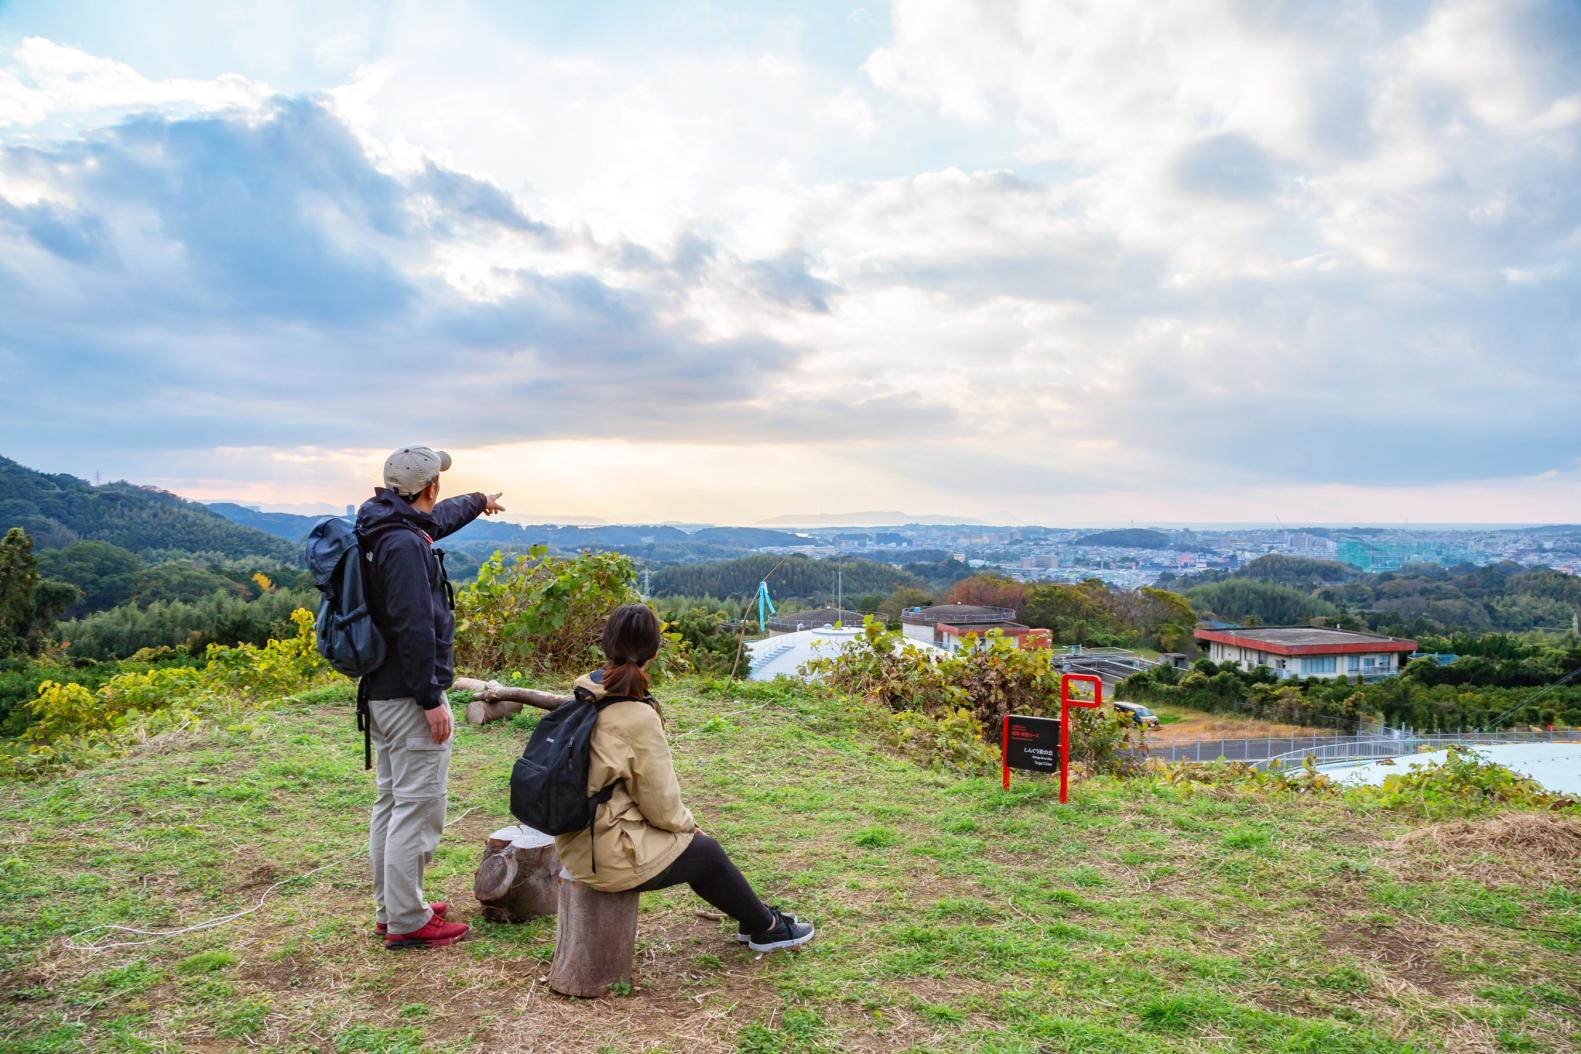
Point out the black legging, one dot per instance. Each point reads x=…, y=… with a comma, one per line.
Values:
x=705, y=866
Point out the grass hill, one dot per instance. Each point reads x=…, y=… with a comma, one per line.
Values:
x=57, y=510
x=953, y=916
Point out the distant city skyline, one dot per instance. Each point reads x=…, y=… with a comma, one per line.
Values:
x=722, y=262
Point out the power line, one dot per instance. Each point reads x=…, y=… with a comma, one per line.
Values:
x=1532, y=699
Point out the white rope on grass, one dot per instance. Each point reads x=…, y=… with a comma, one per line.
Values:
x=75, y=942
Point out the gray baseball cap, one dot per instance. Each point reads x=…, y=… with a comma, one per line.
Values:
x=412, y=468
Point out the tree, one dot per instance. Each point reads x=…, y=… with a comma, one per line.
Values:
x=901, y=599
x=988, y=590
x=182, y=581
x=29, y=605
x=1083, y=613
x=1243, y=599
x=103, y=572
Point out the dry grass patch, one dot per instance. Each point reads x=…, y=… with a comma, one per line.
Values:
x=1531, y=846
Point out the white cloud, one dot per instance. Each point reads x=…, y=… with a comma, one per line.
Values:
x=49, y=82
x=1027, y=255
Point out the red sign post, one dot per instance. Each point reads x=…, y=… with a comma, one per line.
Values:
x=1029, y=742
x=1066, y=701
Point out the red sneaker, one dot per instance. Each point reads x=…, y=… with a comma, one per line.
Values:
x=436, y=934
x=438, y=907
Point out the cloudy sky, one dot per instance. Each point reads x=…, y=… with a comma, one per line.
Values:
x=1026, y=262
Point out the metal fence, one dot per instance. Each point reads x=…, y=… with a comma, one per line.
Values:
x=1372, y=748
x=1293, y=750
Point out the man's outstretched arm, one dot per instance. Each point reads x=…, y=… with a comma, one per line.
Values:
x=452, y=514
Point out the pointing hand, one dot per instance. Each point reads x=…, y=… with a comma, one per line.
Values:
x=491, y=504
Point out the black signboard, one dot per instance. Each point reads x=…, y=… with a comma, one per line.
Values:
x=1031, y=743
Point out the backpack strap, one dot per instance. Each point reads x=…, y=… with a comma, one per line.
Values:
x=365, y=723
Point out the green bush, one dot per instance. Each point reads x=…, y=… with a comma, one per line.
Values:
x=982, y=683
x=537, y=613
x=1465, y=783
x=710, y=631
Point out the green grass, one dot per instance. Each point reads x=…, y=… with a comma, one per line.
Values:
x=953, y=916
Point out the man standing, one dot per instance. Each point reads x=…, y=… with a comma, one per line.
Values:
x=408, y=716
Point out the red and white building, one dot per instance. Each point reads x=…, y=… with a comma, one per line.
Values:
x=1308, y=651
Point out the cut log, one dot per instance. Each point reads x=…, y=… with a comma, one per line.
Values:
x=493, y=701
x=517, y=882
x=595, y=938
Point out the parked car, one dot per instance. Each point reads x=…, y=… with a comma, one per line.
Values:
x=1138, y=714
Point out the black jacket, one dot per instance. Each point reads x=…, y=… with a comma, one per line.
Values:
x=409, y=595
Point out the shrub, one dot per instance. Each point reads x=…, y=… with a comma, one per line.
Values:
x=984, y=683
x=1466, y=782
x=955, y=740
x=538, y=613
x=74, y=722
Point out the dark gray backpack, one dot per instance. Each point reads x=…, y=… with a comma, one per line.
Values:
x=347, y=635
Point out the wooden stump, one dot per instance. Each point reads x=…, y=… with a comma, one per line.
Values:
x=595, y=938
x=517, y=882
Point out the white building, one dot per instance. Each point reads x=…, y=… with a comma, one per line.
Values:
x=1307, y=651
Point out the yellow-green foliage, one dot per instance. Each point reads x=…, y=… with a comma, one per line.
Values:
x=954, y=740
x=1195, y=776
x=72, y=722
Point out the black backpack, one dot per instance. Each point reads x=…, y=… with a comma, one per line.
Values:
x=549, y=782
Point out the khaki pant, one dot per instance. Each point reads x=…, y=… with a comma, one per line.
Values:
x=409, y=812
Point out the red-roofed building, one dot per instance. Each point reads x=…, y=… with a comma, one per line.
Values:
x=1307, y=651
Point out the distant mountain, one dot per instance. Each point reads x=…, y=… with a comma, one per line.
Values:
x=1129, y=538
x=290, y=526
x=862, y=519
x=748, y=537
x=57, y=510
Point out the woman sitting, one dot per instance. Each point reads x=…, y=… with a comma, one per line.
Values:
x=644, y=838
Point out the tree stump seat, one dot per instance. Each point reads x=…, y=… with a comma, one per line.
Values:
x=519, y=877
x=595, y=938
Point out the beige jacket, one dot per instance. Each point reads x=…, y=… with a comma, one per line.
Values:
x=644, y=826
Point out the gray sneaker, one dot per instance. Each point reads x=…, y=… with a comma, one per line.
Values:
x=787, y=932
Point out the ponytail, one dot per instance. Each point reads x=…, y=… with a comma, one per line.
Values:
x=627, y=679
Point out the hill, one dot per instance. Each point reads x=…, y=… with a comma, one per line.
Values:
x=57, y=510
x=794, y=576
x=1129, y=538
x=952, y=916
x=570, y=538
x=748, y=537
x=288, y=526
